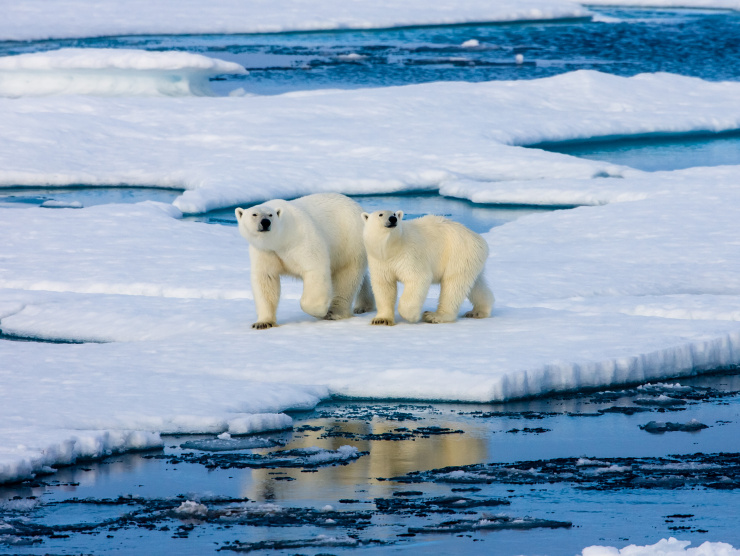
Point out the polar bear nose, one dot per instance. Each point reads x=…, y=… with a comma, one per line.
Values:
x=265, y=225
x=392, y=220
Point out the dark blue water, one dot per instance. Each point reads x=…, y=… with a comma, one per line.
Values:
x=621, y=41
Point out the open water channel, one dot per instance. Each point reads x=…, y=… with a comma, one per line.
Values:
x=546, y=476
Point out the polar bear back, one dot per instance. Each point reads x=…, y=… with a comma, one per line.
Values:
x=441, y=245
x=337, y=221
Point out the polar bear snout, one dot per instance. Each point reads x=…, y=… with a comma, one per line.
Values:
x=264, y=225
x=392, y=221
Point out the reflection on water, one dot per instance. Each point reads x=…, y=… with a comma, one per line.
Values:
x=388, y=458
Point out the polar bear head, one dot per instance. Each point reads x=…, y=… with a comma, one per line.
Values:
x=262, y=225
x=382, y=227
x=382, y=220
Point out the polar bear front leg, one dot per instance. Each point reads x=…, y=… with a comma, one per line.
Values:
x=412, y=299
x=266, y=292
x=317, y=292
x=345, y=283
x=385, y=290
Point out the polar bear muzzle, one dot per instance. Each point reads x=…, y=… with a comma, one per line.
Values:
x=264, y=225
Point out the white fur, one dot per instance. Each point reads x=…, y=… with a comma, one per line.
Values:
x=421, y=252
x=317, y=238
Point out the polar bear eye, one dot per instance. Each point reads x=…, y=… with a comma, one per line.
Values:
x=255, y=215
x=271, y=216
x=380, y=215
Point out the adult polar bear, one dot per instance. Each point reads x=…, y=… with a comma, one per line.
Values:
x=418, y=253
x=317, y=238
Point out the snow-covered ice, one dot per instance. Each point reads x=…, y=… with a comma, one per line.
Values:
x=110, y=72
x=643, y=285
x=37, y=19
x=237, y=150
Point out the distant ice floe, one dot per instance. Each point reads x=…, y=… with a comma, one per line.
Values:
x=38, y=19
x=665, y=547
x=110, y=72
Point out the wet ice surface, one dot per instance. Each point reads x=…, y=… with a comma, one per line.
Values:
x=480, y=218
x=658, y=153
x=542, y=476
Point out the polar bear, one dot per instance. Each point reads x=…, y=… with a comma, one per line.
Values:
x=317, y=238
x=418, y=253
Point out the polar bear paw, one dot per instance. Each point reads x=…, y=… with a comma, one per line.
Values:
x=436, y=318
x=263, y=325
x=380, y=321
x=335, y=315
x=360, y=309
x=475, y=315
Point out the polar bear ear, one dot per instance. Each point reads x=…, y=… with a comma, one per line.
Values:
x=399, y=214
x=239, y=212
x=365, y=215
x=279, y=212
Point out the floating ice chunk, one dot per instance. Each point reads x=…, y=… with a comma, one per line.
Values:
x=519, y=59
x=110, y=72
x=352, y=57
x=189, y=507
x=665, y=547
x=260, y=422
x=661, y=427
x=472, y=43
x=228, y=444
x=343, y=453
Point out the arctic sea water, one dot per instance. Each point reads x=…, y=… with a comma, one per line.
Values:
x=133, y=494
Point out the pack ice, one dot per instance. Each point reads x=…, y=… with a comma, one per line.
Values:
x=145, y=317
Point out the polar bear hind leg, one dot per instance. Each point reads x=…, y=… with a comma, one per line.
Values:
x=482, y=299
x=453, y=291
x=345, y=283
x=365, y=301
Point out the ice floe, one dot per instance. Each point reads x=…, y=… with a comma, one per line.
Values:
x=464, y=139
x=36, y=19
x=110, y=72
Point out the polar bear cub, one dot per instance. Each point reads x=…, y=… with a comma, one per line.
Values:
x=418, y=253
x=317, y=238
